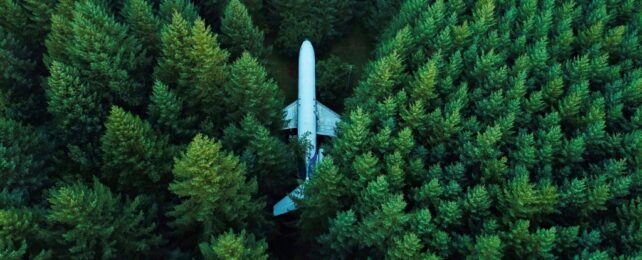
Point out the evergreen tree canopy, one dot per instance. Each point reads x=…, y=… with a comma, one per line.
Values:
x=249, y=90
x=92, y=222
x=239, y=32
x=24, y=157
x=318, y=21
x=192, y=63
x=469, y=129
x=234, y=246
x=487, y=129
x=133, y=156
x=214, y=191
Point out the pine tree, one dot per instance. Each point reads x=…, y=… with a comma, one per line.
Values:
x=167, y=114
x=230, y=245
x=406, y=247
x=23, y=26
x=378, y=13
x=24, y=158
x=93, y=222
x=92, y=41
x=185, y=8
x=192, y=62
x=174, y=35
x=61, y=33
x=319, y=209
x=239, y=33
x=144, y=24
x=134, y=157
x=250, y=91
x=335, y=81
x=20, y=227
x=316, y=21
x=78, y=112
x=28, y=19
x=487, y=247
x=381, y=77
x=267, y=157
x=341, y=238
x=17, y=79
x=215, y=194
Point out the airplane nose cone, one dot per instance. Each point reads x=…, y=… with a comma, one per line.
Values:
x=306, y=46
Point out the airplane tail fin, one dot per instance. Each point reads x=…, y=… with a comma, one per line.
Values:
x=286, y=204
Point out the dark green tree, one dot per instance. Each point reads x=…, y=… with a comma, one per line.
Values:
x=230, y=245
x=134, y=157
x=91, y=222
x=378, y=13
x=214, y=193
x=167, y=114
x=144, y=24
x=185, y=8
x=22, y=234
x=106, y=57
x=266, y=156
x=78, y=112
x=24, y=157
x=336, y=80
x=322, y=208
x=251, y=91
x=19, y=77
x=239, y=33
x=195, y=66
x=316, y=21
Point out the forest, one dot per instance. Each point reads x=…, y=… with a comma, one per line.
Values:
x=470, y=129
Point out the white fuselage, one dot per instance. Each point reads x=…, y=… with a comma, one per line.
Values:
x=310, y=118
x=307, y=104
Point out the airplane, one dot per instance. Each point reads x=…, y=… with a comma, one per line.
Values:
x=311, y=118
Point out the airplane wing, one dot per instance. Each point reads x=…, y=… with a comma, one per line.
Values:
x=290, y=113
x=326, y=120
x=286, y=204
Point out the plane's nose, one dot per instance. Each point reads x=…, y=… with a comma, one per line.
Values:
x=306, y=44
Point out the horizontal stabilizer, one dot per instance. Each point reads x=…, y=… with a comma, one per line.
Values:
x=286, y=204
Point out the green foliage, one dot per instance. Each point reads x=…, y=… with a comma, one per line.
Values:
x=230, y=245
x=28, y=19
x=318, y=21
x=510, y=128
x=378, y=13
x=167, y=114
x=24, y=157
x=214, y=191
x=239, y=33
x=106, y=57
x=332, y=186
x=134, y=158
x=184, y=8
x=21, y=233
x=192, y=63
x=487, y=247
x=250, y=91
x=267, y=157
x=479, y=129
x=19, y=78
x=143, y=23
x=379, y=81
x=77, y=111
x=92, y=222
x=335, y=81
